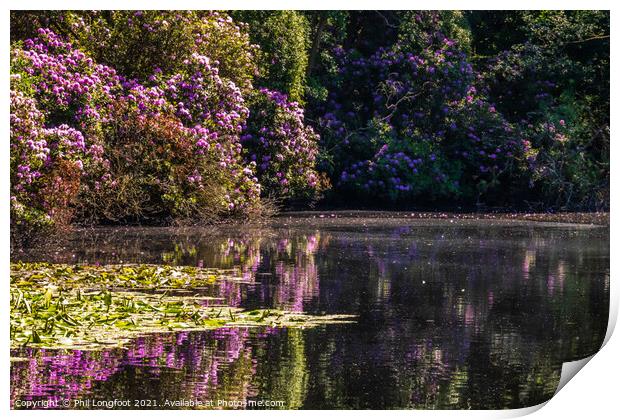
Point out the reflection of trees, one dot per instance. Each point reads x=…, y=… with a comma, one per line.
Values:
x=200, y=366
x=276, y=266
x=481, y=320
x=449, y=316
x=283, y=374
x=56, y=375
x=215, y=365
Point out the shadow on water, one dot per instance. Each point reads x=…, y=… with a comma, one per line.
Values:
x=452, y=314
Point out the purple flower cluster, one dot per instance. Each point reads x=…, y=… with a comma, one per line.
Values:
x=67, y=83
x=43, y=161
x=281, y=146
x=214, y=109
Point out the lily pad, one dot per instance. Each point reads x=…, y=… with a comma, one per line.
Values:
x=88, y=307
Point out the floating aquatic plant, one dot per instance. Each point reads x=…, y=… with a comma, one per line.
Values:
x=79, y=306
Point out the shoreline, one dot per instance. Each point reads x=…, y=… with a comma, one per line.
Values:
x=587, y=218
x=600, y=219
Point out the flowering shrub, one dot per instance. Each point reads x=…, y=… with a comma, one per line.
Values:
x=215, y=111
x=282, y=147
x=227, y=43
x=46, y=164
x=419, y=29
x=201, y=96
x=416, y=124
x=68, y=85
x=157, y=171
x=519, y=81
x=561, y=171
x=558, y=127
x=552, y=79
x=192, y=167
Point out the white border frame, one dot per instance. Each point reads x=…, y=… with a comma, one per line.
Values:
x=595, y=391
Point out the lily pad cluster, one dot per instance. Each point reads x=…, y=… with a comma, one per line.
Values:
x=79, y=306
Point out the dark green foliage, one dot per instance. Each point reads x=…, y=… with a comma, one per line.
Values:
x=554, y=73
x=416, y=27
x=283, y=38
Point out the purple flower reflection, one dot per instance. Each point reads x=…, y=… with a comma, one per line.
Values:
x=208, y=361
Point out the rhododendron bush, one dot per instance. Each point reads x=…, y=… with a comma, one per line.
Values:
x=426, y=108
x=417, y=124
x=164, y=149
x=281, y=147
x=46, y=166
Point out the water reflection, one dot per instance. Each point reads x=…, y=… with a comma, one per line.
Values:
x=451, y=314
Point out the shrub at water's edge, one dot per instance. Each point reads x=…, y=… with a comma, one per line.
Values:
x=415, y=115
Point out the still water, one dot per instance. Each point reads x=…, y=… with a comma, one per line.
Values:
x=451, y=314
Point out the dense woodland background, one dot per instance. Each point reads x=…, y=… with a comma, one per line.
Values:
x=161, y=117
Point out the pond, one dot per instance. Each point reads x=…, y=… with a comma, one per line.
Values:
x=451, y=313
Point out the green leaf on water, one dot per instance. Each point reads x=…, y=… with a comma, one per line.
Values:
x=47, y=297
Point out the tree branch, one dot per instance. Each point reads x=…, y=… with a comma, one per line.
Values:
x=594, y=38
